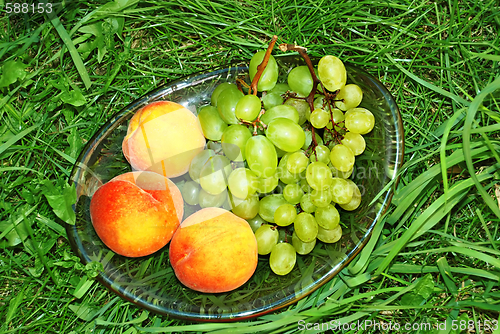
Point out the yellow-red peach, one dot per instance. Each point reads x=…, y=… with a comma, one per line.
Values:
x=163, y=137
x=213, y=250
x=135, y=214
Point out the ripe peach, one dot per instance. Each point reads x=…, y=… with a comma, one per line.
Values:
x=163, y=137
x=136, y=213
x=213, y=251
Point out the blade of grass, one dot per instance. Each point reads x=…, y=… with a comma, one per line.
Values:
x=462, y=250
x=442, y=153
x=471, y=113
x=483, y=306
x=77, y=60
x=14, y=304
x=17, y=137
x=486, y=229
x=431, y=216
x=361, y=260
x=430, y=86
x=416, y=269
x=445, y=270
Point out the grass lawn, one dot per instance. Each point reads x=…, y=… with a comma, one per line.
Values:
x=434, y=258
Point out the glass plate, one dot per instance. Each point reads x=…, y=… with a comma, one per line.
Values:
x=150, y=283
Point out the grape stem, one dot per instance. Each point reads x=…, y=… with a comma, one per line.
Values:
x=310, y=98
x=256, y=122
x=262, y=66
x=302, y=51
x=241, y=83
x=329, y=96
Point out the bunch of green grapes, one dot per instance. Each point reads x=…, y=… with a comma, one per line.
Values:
x=281, y=162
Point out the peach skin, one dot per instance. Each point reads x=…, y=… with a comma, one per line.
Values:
x=213, y=251
x=163, y=137
x=135, y=214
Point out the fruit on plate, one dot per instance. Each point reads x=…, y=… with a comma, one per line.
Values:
x=213, y=251
x=163, y=137
x=286, y=153
x=135, y=214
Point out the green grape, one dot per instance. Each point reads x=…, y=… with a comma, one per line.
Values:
x=268, y=206
x=308, y=140
x=293, y=193
x=319, y=102
x=350, y=96
x=329, y=236
x=282, y=258
x=214, y=146
x=342, y=157
x=337, y=117
x=271, y=100
x=256, y=222
x=261, y=156
x=341, y=190
x=288, y=178
x=305, y=227
x=198, y=162
x=285, y=214
x=285, y=134
x=226, y=104
x=302, y=247
x=320, y=153
x=190, y=192
x=297, y=162
x=207, y=200
x=305, y=186
x=221, y=87
x=248, y=108
x=211, y=123
x=269, y=76
x=332, y=73
x=284, y=175
x=242, y=182
x=319, y=118
x=318, y=175
x=359, y=120
x=268, y=184
x=355, y=200
x=245, y=208
x=337, y=173
x=300, y=80
x=327, y=217
x=302, y=108
x=306, y=203
x=280, y=111
x=355, y=142
x=267, y=237
x=234, y=140
x=214, y=174
x=321, y=198
x=280, y=88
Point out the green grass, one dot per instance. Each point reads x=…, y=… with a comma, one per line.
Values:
x=433, y=258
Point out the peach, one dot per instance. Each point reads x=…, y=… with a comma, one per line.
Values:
x=163, y=137
x=213, y=251
x=135, y=214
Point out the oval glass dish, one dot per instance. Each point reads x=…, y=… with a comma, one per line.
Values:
x=150, y=283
